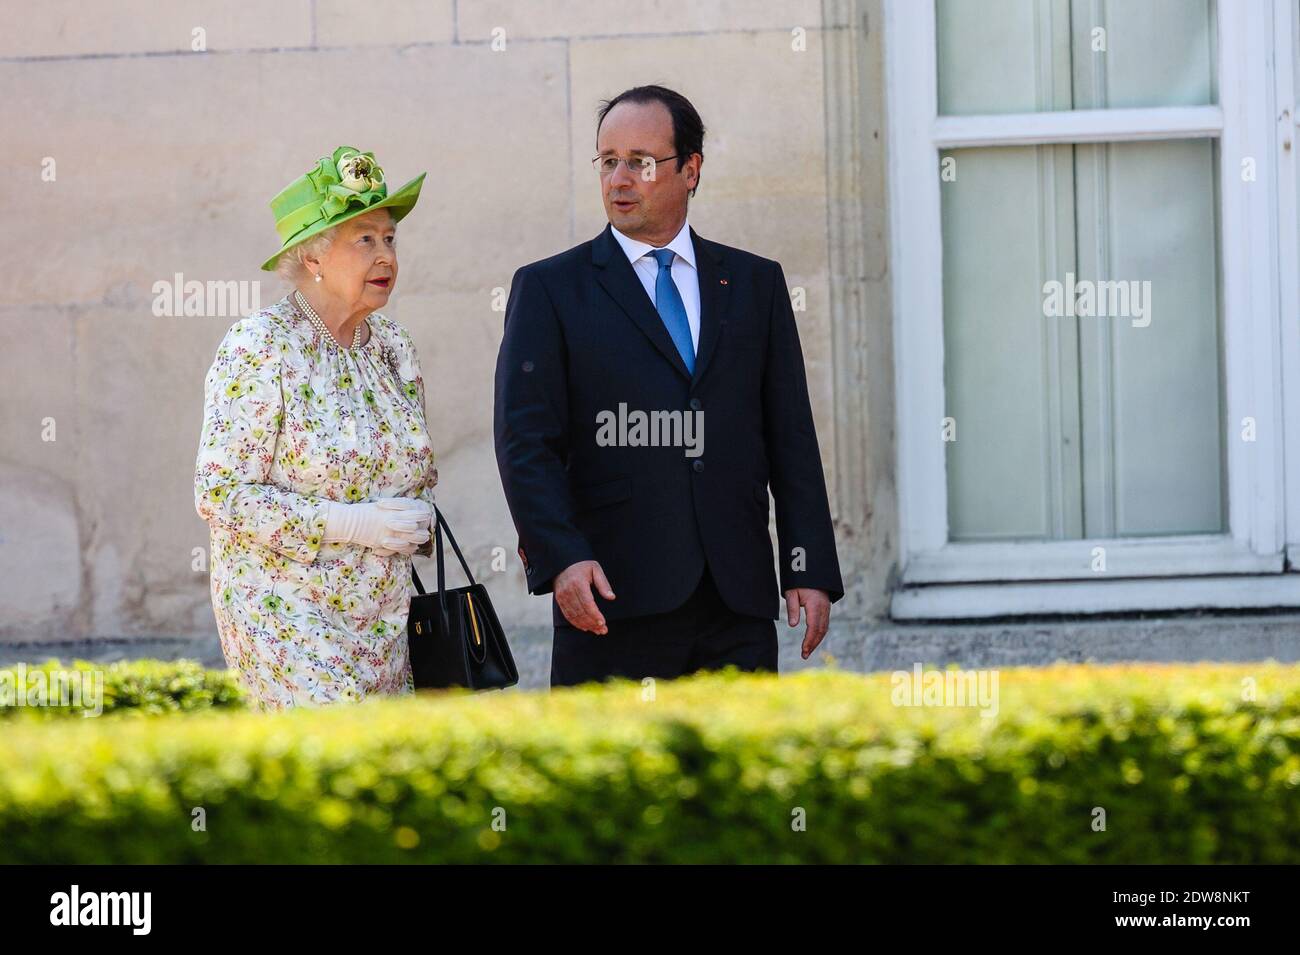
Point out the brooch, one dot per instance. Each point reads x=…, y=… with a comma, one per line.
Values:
x=390, y=359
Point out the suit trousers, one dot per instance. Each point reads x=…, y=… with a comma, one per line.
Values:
x=702, y=634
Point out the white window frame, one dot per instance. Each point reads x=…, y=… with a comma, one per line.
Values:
x=1286, y=35
x=939, y=578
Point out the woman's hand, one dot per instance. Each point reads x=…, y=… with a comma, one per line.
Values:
x=415, y=509
x=392, y=525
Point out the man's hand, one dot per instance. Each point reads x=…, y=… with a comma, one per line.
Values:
x=573, y=594
x=817, y=613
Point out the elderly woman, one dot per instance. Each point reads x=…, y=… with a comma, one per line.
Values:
x=315, y=470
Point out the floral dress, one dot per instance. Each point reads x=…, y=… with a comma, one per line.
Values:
x=292, y=419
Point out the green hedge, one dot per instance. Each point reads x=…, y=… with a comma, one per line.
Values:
x=715, y=768
x=132, y=688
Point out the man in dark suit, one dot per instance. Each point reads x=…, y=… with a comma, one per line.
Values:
x=649, y=388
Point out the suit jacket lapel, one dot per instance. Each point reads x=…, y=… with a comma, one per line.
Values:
x=714, y=295
x=619, y=279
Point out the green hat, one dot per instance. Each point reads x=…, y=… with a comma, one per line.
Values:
x=341, y=187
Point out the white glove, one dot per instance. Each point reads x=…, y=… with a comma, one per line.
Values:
x=392, y=525
x=415, y=509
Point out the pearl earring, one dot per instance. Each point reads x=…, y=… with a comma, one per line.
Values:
x=317, y=276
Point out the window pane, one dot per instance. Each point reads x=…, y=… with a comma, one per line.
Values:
x=1006, y=370
x=1151, y=394
x=1023, y=56
x=1092, y=409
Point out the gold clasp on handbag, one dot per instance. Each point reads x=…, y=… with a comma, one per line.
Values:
x=473, y=619
x=417, y=626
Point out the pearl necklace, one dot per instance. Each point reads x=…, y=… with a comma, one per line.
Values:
x=320, y=324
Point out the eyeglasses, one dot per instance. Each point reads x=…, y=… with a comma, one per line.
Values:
x=643, y=166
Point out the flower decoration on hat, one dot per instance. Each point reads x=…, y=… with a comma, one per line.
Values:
x=359, y=171
x=348, y=178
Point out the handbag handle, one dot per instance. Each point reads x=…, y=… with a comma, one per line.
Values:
x=440, y=524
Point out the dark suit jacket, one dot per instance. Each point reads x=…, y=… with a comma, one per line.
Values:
x=581, y=337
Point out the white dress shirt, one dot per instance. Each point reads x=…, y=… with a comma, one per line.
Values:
x=683, y=271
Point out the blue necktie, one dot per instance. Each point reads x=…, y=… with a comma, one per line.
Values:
x=668, y=301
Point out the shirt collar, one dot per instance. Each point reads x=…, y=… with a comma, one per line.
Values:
x=681, y=244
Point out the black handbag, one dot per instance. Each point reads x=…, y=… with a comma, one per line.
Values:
x=454, y=637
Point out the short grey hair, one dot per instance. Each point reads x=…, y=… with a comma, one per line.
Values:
x=292, y=263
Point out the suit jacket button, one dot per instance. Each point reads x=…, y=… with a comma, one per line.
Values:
x=698, y=465
x=696, y=404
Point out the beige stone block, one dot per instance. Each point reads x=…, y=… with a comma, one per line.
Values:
x=140, y=416
x=75, y=28
x=40, y=560
x=815, y=340
x=38, y=399
x=183, y=183
x=456, y=335
x=94, y=502
x=342, y=23
x=579, y=18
